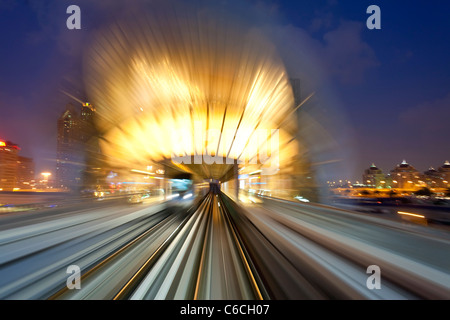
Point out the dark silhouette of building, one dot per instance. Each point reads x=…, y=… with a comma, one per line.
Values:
x=74, y=133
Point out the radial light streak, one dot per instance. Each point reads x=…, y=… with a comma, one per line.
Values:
x=160, y=88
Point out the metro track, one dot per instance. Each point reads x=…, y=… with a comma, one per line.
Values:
x=105, y=278
x=195, y=255
x=220, y=251
x=34, y=259
x=327, y=253
x=216, y=249
x=204, y=261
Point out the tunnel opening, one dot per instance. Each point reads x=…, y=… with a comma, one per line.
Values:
x=214, y=187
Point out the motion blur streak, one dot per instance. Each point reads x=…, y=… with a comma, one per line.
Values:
x=160, y=85
x=158, y=229
x=218, y=249
x=350, y=242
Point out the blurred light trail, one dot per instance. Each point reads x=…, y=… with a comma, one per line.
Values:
x=218, y=249
x=140, y=171
x=36, y=248
x=195, y=85
x=188, y=85
x=411, y=214
x=73, y=97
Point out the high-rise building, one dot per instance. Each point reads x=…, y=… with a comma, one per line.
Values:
x=74, y=132
x=25, y=173
x=432, y=178
x=444, y=172
x=8, y=165
x=405, y=176
x=373, y=177
x=86, y=122
x=16, y=172
x=67, y=150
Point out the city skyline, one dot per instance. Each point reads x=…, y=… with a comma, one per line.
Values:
x=386, y=168
x=387, y=87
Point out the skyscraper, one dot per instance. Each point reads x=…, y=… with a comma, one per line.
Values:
x=444, y=172
x=405, y=176
x=16, y=172
x=373, y=177
x=8, y=165
x=74, y=131
x=86, y=122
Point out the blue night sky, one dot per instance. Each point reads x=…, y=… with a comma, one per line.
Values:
x=390, y=87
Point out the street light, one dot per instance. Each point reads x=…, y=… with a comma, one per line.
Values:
x=46, y=175
x=45, y=179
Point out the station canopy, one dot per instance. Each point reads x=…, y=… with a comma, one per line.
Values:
x=186, y=86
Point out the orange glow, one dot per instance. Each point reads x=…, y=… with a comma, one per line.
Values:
x=411, y=214
x=2, y=144
x=157, y=103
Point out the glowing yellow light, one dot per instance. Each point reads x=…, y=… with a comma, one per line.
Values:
x=157, y=98
x=411, y=214
x=140, y=171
